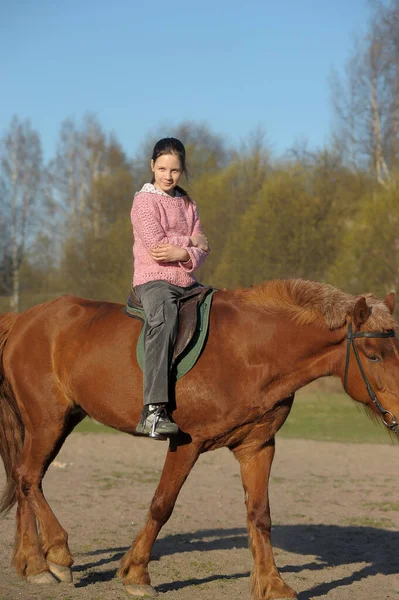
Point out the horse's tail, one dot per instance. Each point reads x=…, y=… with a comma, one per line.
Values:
x=11, y=426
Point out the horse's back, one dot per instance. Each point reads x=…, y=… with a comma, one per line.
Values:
x=56, y=315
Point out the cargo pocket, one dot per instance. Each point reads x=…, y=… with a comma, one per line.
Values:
x=155, y=317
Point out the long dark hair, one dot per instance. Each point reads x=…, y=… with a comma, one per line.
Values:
x=171, y=145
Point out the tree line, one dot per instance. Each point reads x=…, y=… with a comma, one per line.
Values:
x=330, y=214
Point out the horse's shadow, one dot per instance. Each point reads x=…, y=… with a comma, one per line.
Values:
x=331, y=545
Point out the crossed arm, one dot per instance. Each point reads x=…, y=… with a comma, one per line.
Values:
x=190, y=251
x=174, y=253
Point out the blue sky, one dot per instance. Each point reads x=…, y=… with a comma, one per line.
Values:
x=234, y=65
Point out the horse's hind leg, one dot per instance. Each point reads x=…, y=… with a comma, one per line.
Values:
x=28, y=558
x=53, y=537
x=35, y=557
x=134, y=565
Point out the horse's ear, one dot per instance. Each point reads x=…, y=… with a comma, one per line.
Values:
x=390, y=302
x=361, y=312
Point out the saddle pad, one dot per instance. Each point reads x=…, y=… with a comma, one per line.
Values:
x=187, y=359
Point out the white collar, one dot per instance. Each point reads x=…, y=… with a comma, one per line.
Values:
x=150, y=187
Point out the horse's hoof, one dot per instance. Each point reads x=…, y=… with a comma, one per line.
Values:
x=141, y=591
x=63, y=574
x=45, y=577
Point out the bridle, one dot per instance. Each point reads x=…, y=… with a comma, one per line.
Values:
x=393, y=423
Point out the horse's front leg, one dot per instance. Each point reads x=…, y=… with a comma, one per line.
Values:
x=255, y=465
x=134, y=565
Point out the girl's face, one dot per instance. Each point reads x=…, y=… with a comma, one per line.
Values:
x=167, y=172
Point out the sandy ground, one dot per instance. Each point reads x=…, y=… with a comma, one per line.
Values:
x=335, y=510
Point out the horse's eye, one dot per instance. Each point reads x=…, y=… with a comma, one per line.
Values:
x=374, y=358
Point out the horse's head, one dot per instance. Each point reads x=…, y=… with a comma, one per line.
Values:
x=371, y=373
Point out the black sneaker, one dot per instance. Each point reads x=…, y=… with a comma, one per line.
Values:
x=156, y=423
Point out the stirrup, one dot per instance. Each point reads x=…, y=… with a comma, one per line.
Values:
x=157, y=436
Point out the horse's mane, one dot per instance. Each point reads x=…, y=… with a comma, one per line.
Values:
x=307, y=302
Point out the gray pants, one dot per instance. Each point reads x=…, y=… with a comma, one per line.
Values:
x=159, y=300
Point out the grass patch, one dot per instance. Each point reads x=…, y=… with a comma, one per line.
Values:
x=89, y=426
x=331, y=417
x=369, y=522
x=106, y=483
x=383, y=506
x=146, y=476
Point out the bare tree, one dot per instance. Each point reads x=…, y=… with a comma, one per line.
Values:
x=85, y=157
x=390, y=27
x=377, y=70
x=366, y=102
x=20, y=174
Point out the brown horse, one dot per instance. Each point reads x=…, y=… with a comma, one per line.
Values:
x=70, y=357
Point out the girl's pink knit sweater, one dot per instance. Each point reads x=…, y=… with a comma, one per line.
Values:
x=158, y=218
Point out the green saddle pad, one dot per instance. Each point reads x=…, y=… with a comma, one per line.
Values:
x=187, y=359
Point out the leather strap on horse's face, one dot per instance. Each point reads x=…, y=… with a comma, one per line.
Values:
x=393, y=424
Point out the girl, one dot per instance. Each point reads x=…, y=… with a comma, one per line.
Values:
x=168, y=247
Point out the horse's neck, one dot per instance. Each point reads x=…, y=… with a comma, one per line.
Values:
x=297, y=355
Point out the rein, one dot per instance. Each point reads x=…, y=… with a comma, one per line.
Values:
x=392, y=424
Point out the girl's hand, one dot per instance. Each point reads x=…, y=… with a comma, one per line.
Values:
x=169, y=253
x=200, y=241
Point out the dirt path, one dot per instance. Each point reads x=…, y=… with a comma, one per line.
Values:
x=335, y=510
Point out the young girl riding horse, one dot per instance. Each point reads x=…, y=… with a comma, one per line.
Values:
x=169, y=246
